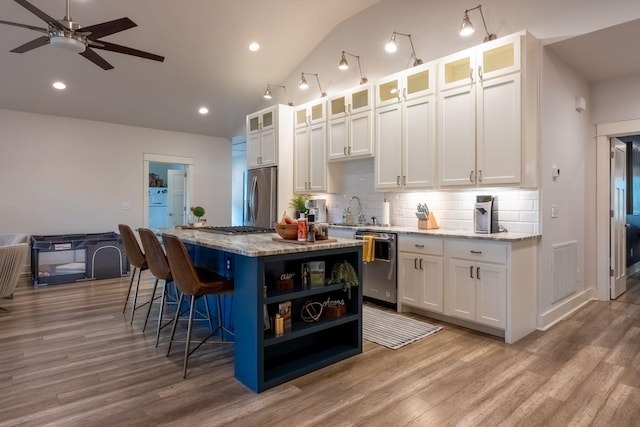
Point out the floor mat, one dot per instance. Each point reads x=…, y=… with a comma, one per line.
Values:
x=393, y=330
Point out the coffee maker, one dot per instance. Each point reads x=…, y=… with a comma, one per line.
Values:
x=318, y=208
x=485, y=214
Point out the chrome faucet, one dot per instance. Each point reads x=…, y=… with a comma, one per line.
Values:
x=360, y=210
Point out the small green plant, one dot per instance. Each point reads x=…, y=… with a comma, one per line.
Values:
x=343, y=272
x=297, y=203
x=198, y=212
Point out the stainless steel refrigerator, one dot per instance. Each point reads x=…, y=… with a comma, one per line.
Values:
x=260, y=197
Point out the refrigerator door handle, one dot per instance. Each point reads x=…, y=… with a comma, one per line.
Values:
x=254, y=198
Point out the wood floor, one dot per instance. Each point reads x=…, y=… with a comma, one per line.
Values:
x=69, y=357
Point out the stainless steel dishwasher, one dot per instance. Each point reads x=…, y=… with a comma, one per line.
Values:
x=379, y=279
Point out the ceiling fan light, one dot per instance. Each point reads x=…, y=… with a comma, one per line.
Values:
x=466, y=28
x=68, y=43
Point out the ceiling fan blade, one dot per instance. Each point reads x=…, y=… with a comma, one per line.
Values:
x=30, y=27
x=99, y=44
x=40, y=14
x=97, y=31
x=96, y=59
x=40, y=41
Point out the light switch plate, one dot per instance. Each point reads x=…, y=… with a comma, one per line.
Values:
x=554, y=211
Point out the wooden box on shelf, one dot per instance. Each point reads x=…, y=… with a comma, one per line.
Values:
x=337, y=311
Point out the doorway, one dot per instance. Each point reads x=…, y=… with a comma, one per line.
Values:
x=167, y=190
x=605, y=239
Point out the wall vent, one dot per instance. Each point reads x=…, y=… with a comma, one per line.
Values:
x=564, y=269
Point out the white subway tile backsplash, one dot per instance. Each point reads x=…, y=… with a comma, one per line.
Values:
x=518, y=208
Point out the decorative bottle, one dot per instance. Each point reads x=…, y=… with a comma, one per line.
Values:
x=302, y=228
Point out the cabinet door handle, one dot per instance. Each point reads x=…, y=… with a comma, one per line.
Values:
x=419, y=246
x=480, y=71
x=479, y=175
x=404, y=179
x=471, y=176
x=471, y=74
x=404, y=93
x=344, y=150
x=349, y=150
x=476, y=252
x=478, y=273
x=349, y=108
x=471, y=271
x=415, y=263
x=421, y=264
x=398, y=180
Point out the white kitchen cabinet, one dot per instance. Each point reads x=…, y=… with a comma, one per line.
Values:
x=264, y=128
x=487, y=119
x=351, y=124
x=412, y=83
x=405, y=135
x=476, y=291
x=310, y=171
x=420, y=272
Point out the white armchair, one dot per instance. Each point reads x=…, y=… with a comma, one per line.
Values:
x=13, y=253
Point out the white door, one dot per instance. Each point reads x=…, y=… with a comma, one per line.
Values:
x=618, y=221
x=388, y=163
x=301, y=160
x=317, y=157
x=491, y=294
x=432, y=282
x=419, y=134
x=409, y=279
x=176, y=189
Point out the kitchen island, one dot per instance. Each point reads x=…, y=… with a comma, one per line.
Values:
x=267, y=274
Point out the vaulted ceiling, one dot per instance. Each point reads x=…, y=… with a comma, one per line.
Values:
x=205, y=43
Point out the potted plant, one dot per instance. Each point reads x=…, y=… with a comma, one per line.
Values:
x=198, y=212
x=298, y=204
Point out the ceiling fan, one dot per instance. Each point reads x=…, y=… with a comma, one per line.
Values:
x=71, y=36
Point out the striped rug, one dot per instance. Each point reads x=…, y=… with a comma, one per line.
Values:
x=393, y=330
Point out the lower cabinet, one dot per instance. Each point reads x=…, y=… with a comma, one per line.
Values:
x=476, y=291
x=420, y=272
x=488, y=285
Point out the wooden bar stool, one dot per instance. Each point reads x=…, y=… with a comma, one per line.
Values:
x=194, y=283
x=159, y=267
x=137, y=260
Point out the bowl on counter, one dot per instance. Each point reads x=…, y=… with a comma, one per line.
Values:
x=287, y=231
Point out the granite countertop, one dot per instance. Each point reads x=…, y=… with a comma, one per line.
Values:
x=255, y=245
x=441, y=232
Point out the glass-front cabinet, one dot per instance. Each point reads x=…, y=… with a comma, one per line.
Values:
x=408, y=84
x=351, y=124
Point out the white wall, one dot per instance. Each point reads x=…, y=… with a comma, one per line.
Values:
x=616, y=100
x=60, y=175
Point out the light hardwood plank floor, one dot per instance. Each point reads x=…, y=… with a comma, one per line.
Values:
x=68, y=357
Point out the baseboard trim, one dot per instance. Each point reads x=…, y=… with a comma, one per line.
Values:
x=566, y=308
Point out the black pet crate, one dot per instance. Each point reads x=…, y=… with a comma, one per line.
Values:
x=75, y=257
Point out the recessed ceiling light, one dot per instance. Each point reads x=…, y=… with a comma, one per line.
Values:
x=254, y=47
x=59, y=85
x=203, y=110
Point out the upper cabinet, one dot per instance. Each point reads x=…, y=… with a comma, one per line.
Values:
x=408, y=84
x=265, y=129
x=310, y=171
x=405, y=130
x=351, y=124
x=487, y=114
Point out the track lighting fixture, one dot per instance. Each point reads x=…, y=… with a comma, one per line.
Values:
x=466, y=28
x=344, y=65
x=267, y=93
x=391, y=47
x=304, y=85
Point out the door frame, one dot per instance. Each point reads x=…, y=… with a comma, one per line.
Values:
x=163, y=158
x=604, y=132
x=618, y=250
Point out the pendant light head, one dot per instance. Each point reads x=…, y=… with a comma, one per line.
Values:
x=267, y=93
x=343, y=65
x=391, y=45
x=303, y=83
x=466, y=28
